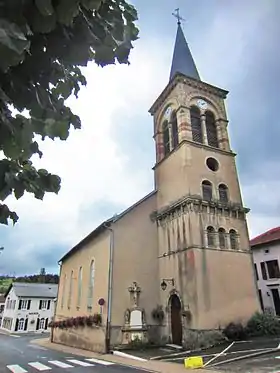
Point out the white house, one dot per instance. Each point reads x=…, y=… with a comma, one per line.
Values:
x=2, y=306
x=29, y=307
x=266, y=254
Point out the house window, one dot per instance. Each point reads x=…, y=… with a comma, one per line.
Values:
x=91, y=284
x=174, y=129
x=222, y=238
x=44, y=304
x=42, y=324
x=80, y=287
x=24, y=304
x=263, y=269
x=70, y=289
x=256, y=272
x=206, y=190
x=233, y=239
x=210, y=236
x=273, y=269
x=196, y=125
x=223, y=193
x=166, y=137
x=211, y=129
x=21, y=324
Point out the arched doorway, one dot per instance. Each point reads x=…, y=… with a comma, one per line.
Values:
x=176, y=319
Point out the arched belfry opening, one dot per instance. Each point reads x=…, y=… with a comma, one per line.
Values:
x=176, y=319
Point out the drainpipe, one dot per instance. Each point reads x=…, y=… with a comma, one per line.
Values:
x=110, y=282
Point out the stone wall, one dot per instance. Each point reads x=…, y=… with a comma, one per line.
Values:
x=88, y=338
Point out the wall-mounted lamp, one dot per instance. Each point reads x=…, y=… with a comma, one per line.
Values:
x=163, y=284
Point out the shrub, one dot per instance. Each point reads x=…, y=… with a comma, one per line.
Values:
x=235, y=332
x=261, y=324
x=97, y=319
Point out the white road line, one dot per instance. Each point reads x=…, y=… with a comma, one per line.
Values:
x=218, y=355
x=102, y=362
x=16, y=369
x=277, y=357
x=14, y=336
x=81, y=363
x=60, y=364
x=39, y=366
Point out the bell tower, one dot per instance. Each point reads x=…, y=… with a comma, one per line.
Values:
x=202, y=230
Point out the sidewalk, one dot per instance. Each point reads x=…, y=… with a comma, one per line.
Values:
x=150, y=365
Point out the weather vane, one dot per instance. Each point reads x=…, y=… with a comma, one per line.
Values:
x=176, y=14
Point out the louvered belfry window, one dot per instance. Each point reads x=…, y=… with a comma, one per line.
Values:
x=223, y=193
x=166, y=138
x=196, y=125
x=211, y=129
x=174, y=128
x=206, y=190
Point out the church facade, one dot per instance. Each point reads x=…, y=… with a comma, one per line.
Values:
x=179, y=260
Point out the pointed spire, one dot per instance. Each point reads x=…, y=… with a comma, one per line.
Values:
x=182, y=61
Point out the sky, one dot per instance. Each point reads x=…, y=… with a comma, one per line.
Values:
x=107, y=165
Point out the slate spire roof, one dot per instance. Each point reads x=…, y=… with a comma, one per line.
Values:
x=182, y=61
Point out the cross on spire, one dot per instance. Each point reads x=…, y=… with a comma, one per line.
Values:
x=176, y=14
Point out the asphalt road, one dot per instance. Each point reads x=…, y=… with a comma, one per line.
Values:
x=17, y=355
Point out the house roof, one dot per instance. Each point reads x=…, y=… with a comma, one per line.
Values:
x=182, y=61
x=103, y=227
x=33, y=290
x=271, y=235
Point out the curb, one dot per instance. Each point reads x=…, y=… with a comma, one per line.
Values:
x=261, y=353
x=128, y=356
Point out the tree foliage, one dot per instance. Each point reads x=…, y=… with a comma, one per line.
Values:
x=43, y=44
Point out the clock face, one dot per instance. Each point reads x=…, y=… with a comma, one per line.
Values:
x=167, y=112
x=202, y=104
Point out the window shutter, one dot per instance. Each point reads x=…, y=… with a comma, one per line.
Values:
x=37, y=324
x=40, y=305
x=19, y=305
x=29, y=304
x=49, y=304
x=46, y=323
x=25, y=324
x=16, y=327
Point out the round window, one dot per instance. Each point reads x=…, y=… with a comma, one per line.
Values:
x=212, y=164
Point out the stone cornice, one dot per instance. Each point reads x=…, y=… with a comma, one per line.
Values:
x=198, y=145
x=195, y=200
x=180, y=78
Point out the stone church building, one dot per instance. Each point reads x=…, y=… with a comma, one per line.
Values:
x=179, y=259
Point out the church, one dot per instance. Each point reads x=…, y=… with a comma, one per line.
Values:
x=178, y=262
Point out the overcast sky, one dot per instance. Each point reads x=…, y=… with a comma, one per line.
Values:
x=106, y=166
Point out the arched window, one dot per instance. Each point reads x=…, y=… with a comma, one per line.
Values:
x=196, y=125
x=70, y=289
x=223, y=193
x=166, y=138
x=21, y=324
x=211, y=129
x=91, y=284
x=42, y=323
x=174, y=128
x=210, y=236
x=80, y=278
x=206, y=190
x=222, y=238
x=233, y=239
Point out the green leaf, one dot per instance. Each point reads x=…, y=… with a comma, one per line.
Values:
x=12, y=37
x=45, y=7
x=43, y=24
x=91, y=4
x=67, y=10
x=19, y=190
